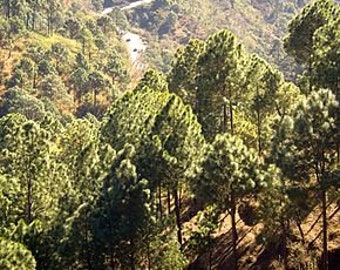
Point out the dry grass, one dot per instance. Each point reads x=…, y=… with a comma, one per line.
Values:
x=254, y=256
x=47, y=41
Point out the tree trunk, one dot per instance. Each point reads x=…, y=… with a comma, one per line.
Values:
x=324, y=263
x=74, y=95
x=160, y=205
x=132, y=255
x=210, y=256
x=169, y=201
x=94, y=98
x=48, y=23
x=298, y=223
x=178, y=217
x=88, y=250
x=258, y=124
x=33, y=20
x=27, y=19
x=132, y=262
x=149, y=251
x=83, y=47
x=29, y=200
x=285, y=253
x=10, y=52
x=310, y=69
x=224, y=118
x=90, y=54
x=259, y=132
x=231, y=113
x=8, y=9
x=234, y=236
x=34, y=79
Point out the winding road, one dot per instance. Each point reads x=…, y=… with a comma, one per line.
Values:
x=135, y=45
x=137, y=3
x=134, y=42
x=130, y=6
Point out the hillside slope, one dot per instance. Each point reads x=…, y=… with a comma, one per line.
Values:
x=63, y=53
x=260, y=25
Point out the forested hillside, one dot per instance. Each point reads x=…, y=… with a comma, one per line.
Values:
x=260, y=25
x=67, y=60
x=224, y=155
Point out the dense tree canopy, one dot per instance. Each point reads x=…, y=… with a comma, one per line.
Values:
x=94, y=175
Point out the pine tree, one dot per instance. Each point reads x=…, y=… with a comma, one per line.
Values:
x=15, y=256
x=306, y=149
x=229, y=172
x=184, y=69
x=165, y=134
x=299, y=42
x=219, y=81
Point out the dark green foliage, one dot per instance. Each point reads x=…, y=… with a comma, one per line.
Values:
x=53, y=88
x=230, y=171
x=306, y=150
x=184, y=69
x=116, y=68
x=152, y=80
x=201, y=240
x=15, y=256
x=168, y=24
x=326, y=64
x=158, y=125
x=218, y=83
x=165, y=135
x=95, y=193
x=17, y=101
x=123, y=213
x=309, y=136
x=299, y=42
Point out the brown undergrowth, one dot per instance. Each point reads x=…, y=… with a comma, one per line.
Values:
x=253, y=255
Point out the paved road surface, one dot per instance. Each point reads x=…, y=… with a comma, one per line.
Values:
x=130, y=6
x=135, y=45
x=133, y=41
x=136, y=4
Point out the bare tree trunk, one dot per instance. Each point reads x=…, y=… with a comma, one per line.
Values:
x=324, y=231
x=29, y=200
x=34, y=79
x=285, y=253
x=234, y=235
x=258, y=124
x=178, y=217
x=231, y=113
x=8, y=9
x=33, y=20
x=83, y=47
x=298, y=223
x=224, y=118
x=48, y=23
x=310, y=69
x=27, y=19
x=169, y=201
x=160, y=205
x=94, y=98
x=210, y=257
x=259, y=132
x=132, y=255
x=149, y=252
x=88, y=251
